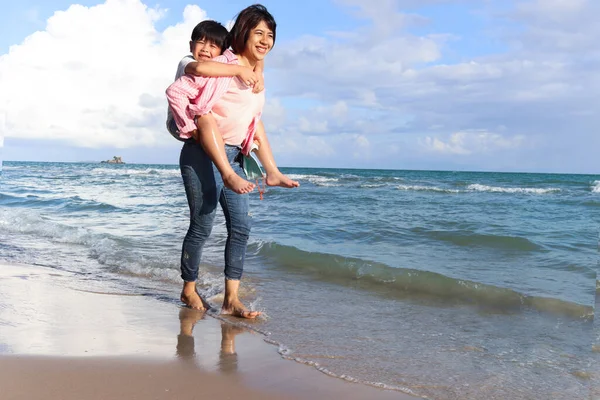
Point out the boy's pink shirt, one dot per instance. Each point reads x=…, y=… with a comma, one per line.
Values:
x=193, y=95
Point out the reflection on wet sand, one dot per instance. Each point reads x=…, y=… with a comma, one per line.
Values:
x=228, y=359
x=186, y=350
x=188, y=318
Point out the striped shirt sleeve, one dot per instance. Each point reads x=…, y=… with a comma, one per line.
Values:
x=179, y=95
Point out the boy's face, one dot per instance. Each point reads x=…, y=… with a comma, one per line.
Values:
x=203, y=50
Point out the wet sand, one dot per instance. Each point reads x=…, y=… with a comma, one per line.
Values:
x=64, y=339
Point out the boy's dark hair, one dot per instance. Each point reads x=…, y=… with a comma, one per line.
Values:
x=247, y=20
x=211, y=31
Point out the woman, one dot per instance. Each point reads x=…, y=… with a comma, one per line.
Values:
x=237, y=115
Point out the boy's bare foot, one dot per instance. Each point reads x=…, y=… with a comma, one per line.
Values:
x=238, y=184
x=193, y=300
x=237, y=309
x=279, y=179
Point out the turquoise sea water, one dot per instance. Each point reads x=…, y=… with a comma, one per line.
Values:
x=447, y=285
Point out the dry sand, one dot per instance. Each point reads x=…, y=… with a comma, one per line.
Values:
x=59, y=342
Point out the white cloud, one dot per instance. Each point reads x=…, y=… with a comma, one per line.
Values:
x=362, y=147
x=274, y=115
x=362, y=142
x=312, y=127
x=324, y=120
x=557, y=28
x=2, y=127
x=301, y=149
x=95, y=76
x=560, y=11
x=467, y=143
x=318, y=146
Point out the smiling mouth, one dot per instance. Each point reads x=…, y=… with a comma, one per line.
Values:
x=261, y=50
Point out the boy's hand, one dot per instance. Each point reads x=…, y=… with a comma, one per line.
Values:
x=259, y=86
x=248, y=76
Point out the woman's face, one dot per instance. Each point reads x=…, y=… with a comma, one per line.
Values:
x=259, y=43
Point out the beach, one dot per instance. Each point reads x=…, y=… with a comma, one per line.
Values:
x=60, y=342
x=443, y=285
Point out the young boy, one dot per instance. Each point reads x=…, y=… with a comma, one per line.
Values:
x=209, y=40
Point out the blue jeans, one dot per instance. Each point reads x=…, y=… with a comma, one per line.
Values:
x=204, y=188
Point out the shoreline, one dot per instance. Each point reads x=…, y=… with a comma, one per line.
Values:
x=59, y=342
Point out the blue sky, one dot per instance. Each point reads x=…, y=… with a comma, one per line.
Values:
x=406, y=84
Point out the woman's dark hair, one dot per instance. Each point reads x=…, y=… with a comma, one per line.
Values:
x=247, y=20
x=211, y=31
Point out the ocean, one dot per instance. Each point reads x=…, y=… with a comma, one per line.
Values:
x=444, y=285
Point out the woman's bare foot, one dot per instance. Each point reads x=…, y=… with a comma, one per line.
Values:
x=238, y=184
x=237, y=309
x=279, y=179
x=191, y=298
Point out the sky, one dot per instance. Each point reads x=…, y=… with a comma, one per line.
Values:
x=480, y=85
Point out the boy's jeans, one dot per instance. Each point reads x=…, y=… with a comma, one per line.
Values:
x=204, y=188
